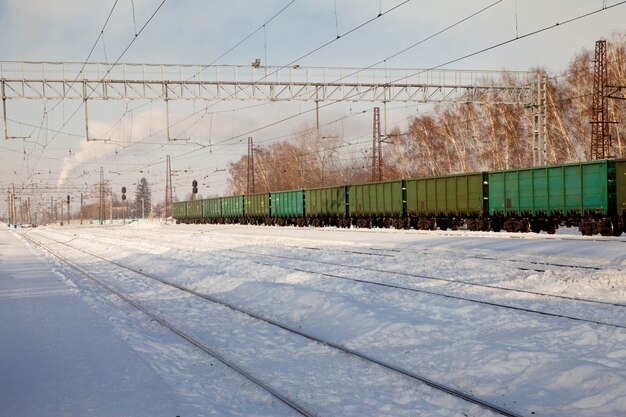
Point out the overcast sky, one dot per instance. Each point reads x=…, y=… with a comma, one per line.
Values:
x=200, y=31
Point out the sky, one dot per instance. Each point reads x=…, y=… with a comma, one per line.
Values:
x=55, y=159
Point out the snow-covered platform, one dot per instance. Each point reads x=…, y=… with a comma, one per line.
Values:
x=58, y=357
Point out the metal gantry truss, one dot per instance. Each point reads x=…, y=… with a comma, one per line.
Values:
x=101, y=81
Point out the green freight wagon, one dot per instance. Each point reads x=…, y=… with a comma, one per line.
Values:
x=542, y=198
x=287, y=207
x=378, y=204
x=179, y=211
x=327, y=206
x=619, y=217
x=212, y=209
x=448, y=201
x=257, y=208
x=194, y=211
x=232, y=209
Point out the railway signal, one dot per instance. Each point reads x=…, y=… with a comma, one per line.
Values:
x=123, y=193
x=194, y=185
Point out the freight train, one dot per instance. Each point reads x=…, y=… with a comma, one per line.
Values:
x=590, y=195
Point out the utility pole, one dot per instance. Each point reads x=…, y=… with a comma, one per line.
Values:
x=377, y=161
x=13, y=211
x=10, y=207
x=168, y=188
x=540, y=121
x=81, y=208
x=111, y=208
x=250, y=186
x=600, y=137
x=61, y=203
x=69, y=215
x=101, y=212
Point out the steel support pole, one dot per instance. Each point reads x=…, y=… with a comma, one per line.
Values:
x=4, y=110
x=86, y=112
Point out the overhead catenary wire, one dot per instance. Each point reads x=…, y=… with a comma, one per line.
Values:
x=483, y=50
x=93, y=47
x=380, y=14
x=464, y=57
x=356, y=72
x=262, y=26
x=500, y=44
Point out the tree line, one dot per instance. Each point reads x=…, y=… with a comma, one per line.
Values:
x=453, y=138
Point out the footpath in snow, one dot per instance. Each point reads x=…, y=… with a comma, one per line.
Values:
x=59, y=358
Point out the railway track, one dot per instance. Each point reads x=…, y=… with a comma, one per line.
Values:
x=455, y=281
x=394, y=252
x=440, y=294
x=300, y=408
x=434, y=278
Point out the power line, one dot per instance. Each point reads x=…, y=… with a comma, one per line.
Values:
x=244, y=39
x=215, y=60
x=356, y=72
x=435, y=67
x=45, y=114
x=116, y=61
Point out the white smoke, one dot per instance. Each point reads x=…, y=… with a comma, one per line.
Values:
x=144, y=125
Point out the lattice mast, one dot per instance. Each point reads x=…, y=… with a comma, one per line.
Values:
x=377, y=159
x=600, y=138
x=250, y=186
x=101, y=197
x=540, y=121
x=168, y=188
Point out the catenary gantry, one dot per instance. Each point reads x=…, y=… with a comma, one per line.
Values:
x=101, y=81
x=104, y=81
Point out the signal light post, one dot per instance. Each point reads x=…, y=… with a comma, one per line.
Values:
x=125, y=204
x=194, y=188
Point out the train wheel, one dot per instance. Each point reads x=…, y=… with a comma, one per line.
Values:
x=551, y=228
x=535, y=227
x=606, y=227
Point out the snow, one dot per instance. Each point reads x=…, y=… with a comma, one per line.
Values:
x=70, y=348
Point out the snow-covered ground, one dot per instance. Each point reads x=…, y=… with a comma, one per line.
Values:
x=535, y=324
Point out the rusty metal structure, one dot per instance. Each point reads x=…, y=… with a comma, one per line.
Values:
x=168, y=188
x=377, y=158
x=540, y=121
x=600, y=137
x=250, y=186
